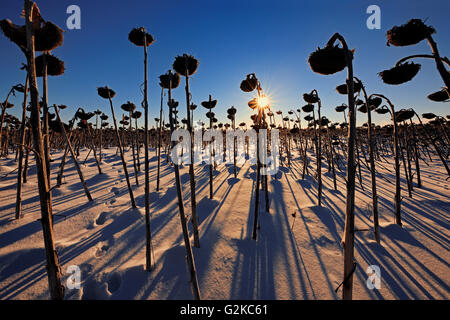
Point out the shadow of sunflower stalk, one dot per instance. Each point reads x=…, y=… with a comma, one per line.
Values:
x=166, y=82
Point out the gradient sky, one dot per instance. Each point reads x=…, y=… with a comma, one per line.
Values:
x=230, y=39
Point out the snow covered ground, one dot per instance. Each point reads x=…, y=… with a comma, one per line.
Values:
x=293, y=258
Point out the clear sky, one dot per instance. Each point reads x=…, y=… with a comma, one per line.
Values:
x=230, y=39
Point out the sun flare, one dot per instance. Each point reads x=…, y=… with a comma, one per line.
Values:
x=263, y=101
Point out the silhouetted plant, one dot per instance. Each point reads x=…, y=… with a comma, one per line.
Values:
x=22, y=142
x=413, y=32
x=108, y=93
x=232, y=116
x=130, y=108
x=141, y=38
x=327, y=61
x=5, y=105
x=442, y=95
x=84, y=116
x=312, y=98
x=187, y=243
x=260, y=104
x=39, y=35
x=397, y=197
x=371, y=103
x=209, y=105
x=186, y=65
x=103, y=124
x=64, y=130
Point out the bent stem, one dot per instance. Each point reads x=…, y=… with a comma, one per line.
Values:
x=187, y=243
x=428, y=56
x=445, y=75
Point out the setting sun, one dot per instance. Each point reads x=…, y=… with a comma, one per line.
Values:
x=263, y=101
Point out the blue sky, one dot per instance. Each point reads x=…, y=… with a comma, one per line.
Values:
x=230, y=39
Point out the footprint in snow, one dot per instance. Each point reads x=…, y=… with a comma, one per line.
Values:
x=115, y=190
x=114, y=282
x=101, y=251
x=101, y=219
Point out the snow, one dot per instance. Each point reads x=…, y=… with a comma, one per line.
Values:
x=297, y=255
